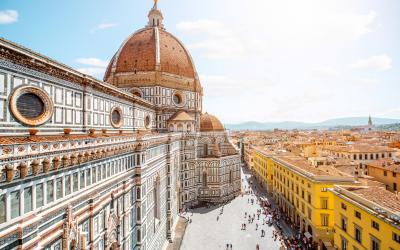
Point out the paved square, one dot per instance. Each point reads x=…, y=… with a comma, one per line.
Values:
x=205, y=232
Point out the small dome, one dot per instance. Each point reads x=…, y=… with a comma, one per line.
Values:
x=210, y=123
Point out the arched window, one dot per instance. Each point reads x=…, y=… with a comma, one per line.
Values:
x=189, y=128
x=204, y=179
x=180, y=128
x=138, y=193
x=157, y=198
x=205, y=149
x=230, y=176
x=138, y=213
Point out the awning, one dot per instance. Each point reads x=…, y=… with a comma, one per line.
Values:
x=308, y=235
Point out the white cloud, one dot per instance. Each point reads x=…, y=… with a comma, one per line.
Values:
x=324, y=72
x=92, y=71
x=366, y=81
x=95, y=67
x=379, y=62
x=233, y=85
x=92, y=62
x=218, y=42
x=8, y=16
x=103, y=26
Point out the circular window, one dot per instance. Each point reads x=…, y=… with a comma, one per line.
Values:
x=177, y=98
x=116, y=117
x=147, y=121
x=31, y=105
x=137, y=92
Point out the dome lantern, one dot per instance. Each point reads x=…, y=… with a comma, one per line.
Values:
x=155, y=17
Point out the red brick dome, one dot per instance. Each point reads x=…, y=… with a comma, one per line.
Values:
x=149, y=50
x=210, y=123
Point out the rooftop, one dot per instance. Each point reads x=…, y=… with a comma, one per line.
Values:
x=378, y=195
x=304, y=165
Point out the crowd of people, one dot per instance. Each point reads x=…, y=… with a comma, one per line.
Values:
x=267, y=216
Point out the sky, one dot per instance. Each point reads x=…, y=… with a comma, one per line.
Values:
x=258, y=60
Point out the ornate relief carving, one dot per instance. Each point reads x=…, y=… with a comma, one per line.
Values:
x=71, y=233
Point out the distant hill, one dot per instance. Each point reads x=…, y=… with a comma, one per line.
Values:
x=346, y=121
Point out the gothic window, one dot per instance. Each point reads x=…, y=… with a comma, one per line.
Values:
x=82, y=179
x=2, y=208
x=27, y=199
x=59, y=188
x=39, y=195
x=204, y=179
x=88, y=177
x=75, y=182
x=138, y=213
x=67, y=185
x=138, y=193
x=50, y=191
x=15, y=211
x=157, y=198
x=147, y=121
x=230, y=176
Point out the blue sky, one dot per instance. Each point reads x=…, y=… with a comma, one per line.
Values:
x=258, y=60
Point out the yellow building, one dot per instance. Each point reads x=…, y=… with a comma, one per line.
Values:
x=366, y=218
x=387, y=172
x=262, y=166
x=248, y=155
x=301, y=191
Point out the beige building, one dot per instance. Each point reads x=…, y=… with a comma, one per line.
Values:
x=387, y=172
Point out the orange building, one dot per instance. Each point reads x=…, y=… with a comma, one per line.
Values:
x=387, y=172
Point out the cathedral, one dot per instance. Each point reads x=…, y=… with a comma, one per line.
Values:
x=90, y=164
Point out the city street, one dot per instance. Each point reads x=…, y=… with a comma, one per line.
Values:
x=206, y=232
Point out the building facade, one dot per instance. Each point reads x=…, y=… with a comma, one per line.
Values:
x=89, y=164
x=366, y=218
x=301, y=192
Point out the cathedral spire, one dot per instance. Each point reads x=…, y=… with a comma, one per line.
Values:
x=369, y=121
x=155, y=17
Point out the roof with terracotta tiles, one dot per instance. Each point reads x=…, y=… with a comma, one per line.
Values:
x=386, y=164
x=303, y=164
x=210, y=123
x=139, y=54
x=181, y=116
x=378, y=195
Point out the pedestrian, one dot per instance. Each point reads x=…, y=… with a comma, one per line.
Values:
x=231, y=246
x=257, y=247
